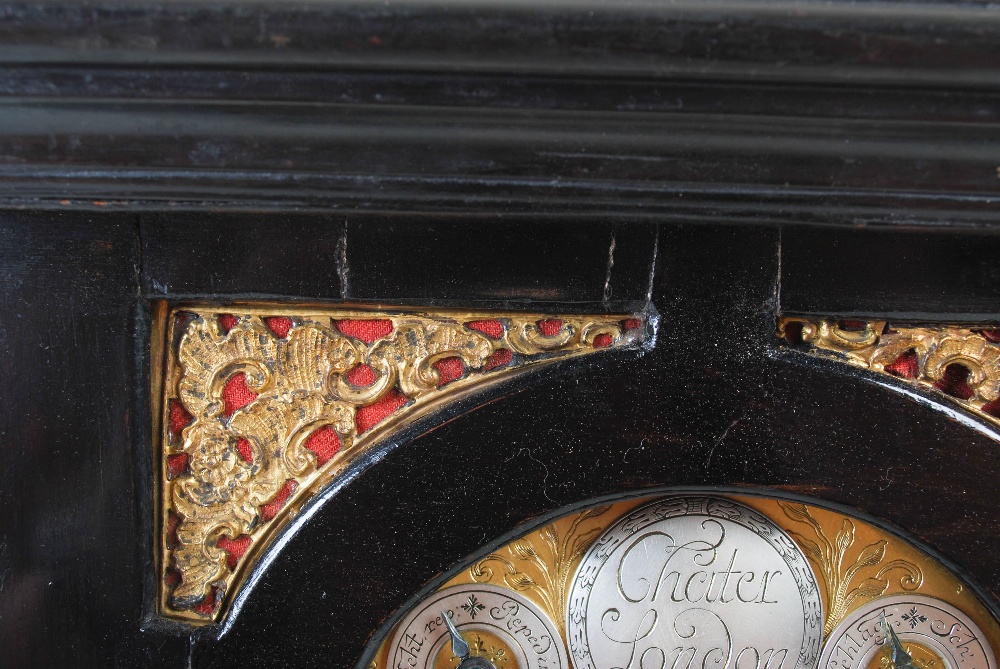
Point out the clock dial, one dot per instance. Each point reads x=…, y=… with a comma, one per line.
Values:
x=697, y=581
x=498, y=625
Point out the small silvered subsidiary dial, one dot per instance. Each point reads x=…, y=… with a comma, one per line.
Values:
x=499, y=626
x=933, y=635
x=694, y=582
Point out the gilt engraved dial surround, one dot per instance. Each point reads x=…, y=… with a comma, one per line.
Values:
x=698, y=582
x=855, y=570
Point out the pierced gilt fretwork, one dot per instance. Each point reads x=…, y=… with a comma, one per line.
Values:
x=959, y=363
x=262, y=407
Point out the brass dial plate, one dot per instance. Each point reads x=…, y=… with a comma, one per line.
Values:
x=856, y=564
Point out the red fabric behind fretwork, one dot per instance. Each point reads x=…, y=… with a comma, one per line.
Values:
x=236, y=394
x=325, y=443
x=366, y=330
x=369, y=416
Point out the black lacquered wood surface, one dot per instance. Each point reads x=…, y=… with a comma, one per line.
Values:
x=716, y=401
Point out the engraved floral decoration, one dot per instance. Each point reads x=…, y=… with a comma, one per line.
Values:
x=914, y=617
x=847, y=582
x=543, y=562
x=959, y=363
x=260, y=411
x=473, y=607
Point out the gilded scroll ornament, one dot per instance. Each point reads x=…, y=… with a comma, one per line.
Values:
x=263, y=407
x=960, y=363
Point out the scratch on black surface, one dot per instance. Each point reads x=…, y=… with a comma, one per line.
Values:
x=777, y=279
x=545, y=480
x=138, y=267
x=887, y=478
x=342, y=270
x=4, y=569
x=652, y=265
x=708, y=463
x=611, y=263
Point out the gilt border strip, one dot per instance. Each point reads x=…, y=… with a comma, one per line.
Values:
x=958, y=363
x=260, y=407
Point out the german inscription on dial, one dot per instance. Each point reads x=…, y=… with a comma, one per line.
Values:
x=934, y=633
x=694, y=582
x=499, y=626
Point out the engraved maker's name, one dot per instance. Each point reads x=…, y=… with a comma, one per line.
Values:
x=689, y=580
x=731, y=584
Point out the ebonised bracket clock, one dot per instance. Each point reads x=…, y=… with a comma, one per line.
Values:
x=499, y=335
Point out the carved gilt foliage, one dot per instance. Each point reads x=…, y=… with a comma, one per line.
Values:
x=260, y=411
x=960, y=363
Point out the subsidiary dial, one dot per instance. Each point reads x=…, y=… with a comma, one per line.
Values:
x=907, y=630
x=499, y=629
